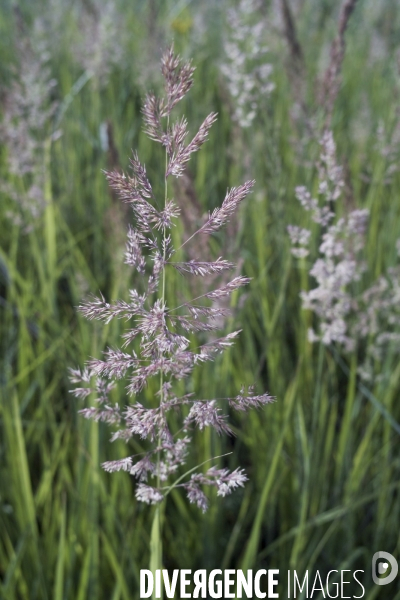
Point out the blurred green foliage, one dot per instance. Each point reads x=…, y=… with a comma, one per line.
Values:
x=323, y=462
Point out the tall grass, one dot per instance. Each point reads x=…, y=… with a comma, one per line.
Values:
x=323, y=461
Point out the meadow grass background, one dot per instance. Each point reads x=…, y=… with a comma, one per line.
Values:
x=323, y=461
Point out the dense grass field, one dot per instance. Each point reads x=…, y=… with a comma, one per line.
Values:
x=323, y=461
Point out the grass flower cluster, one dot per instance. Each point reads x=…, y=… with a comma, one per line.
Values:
x=245, y=68
x=26, y=128
x=352, y=319
x=166, y=351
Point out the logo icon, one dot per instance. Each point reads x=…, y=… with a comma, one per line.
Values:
x=385, y=559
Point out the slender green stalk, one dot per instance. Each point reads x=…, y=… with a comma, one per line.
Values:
x=156, y=530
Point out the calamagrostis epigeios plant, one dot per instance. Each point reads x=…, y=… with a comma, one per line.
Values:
x=367, y=320
x=160, y=330
x=339, y=264
x=25, y=130
x=246, y=71
x=102, y=36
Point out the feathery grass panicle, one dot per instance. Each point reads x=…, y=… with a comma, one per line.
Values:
x=27, y=112
x=339, y=264
x=165, y=351
x=245, y=69
x=103, y=33
x=352, y=319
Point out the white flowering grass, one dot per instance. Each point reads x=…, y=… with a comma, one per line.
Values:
x=245, y=68
x=160, y=331
x=26, y=129
x=354, y=318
